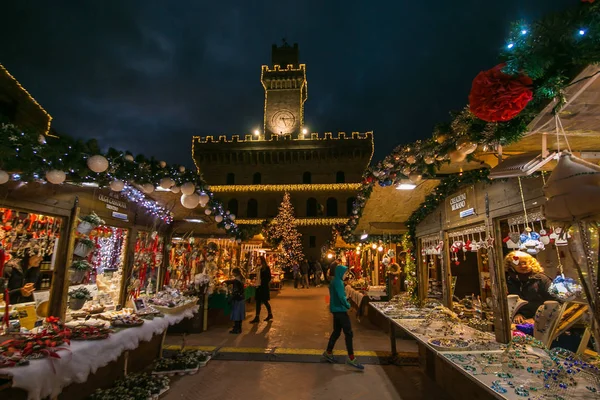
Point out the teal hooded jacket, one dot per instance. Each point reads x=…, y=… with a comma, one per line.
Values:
x=337, y=292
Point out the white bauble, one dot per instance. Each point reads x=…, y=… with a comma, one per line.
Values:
x=406, y=171
x=42, y=139
x=232, y=217
x=190, y=200
x=147, y=188
x=56, y=176
x=182, y=169
x=166, y=183
x=415, y=177
x=218, y=218
x=227, y=212
x=129, y=157
x=208, y=211
x=4, y=177
x=227, y=226
x=188, y=188
x=162, y=164
x=97, y=163
x=457, y=156
x=464, y=145
x=117, y=185
x=204, y=199
x=429, y=160
x=411, y=159
x=175, y=189
x=238, y=241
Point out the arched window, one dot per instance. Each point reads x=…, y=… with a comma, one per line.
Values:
x=340, y=177
x=311, y=207
x=256, y=178
x=252, y=211
x=332, y=210
x=349, y=205
x=307, y=177
x=232, y=206
x=230, y=178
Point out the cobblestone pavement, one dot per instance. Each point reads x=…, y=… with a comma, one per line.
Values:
x=247, y=380
x=302, y=321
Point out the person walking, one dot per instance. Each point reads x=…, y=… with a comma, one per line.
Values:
x=318, y=273
x=238, y=303
x=304, y=271
x=263, y=291
x=339, y=306
x=296, y=273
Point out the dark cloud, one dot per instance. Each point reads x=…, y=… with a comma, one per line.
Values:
x=147, y=75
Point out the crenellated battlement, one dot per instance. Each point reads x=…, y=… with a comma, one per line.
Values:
x=282, y=138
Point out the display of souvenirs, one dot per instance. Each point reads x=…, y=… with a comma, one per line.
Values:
x=171, y=300
x=87, y=332
x=147, y=260
x=28, y=234
x=126, y=321
x=434, y=290
x=110, y=249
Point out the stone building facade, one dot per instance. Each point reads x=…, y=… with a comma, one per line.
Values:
x=322, y=172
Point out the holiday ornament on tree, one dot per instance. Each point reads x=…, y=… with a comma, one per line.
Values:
x=282, y=231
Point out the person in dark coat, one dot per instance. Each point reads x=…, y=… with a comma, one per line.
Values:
x=238, y=306
x=526, y=278
x=21, y=279
x=304, y=270
x=263, y=291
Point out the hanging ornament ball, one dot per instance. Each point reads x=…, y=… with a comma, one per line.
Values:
x=117, y=185
x=166, y=183
x=162, y=164
x=465, y=145
x=207, y=211
x=56, y=176
x=188, y=188
x=218, y=219
x=4, y=177
x=190, y=200
x=42, y=139
x=97, y=163
x=147, y=188
x=406, y=171
x=440, y=157
x=232, y=217
x=227, y=212
x=204, y=199
x=415, y=177
x=129, y=157
x=457, y=156
x=227, y=226
x=182, y=169
x=411, y=159
x=429, y=160
x=238, y=241
x=441, y=138
x=175, y=189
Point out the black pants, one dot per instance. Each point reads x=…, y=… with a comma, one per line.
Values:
x=266, y=303
x=341, y=322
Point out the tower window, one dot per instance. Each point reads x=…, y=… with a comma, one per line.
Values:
x=252, y=211
x=311, y=207
x=340, y=177
x=307, y=177
x=332, y=204
x=349, y=205
x=231, y=178
x=312, y=242
x=232, y=206
x=256, y=178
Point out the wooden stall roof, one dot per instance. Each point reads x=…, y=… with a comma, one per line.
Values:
x=388, y=208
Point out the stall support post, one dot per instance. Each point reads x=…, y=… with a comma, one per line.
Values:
x=165, y=258
x=393, y=349
x=60, y=281
x=497, y=280
x=422, y=272
x=128, y=265
x=446, y=272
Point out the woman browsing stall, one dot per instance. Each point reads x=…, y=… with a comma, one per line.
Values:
x=526, y=278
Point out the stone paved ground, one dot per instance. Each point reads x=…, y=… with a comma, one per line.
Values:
x=302, y=321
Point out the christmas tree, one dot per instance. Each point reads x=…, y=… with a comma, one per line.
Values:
x=282, y=232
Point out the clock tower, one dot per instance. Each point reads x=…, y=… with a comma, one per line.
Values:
x=285, y=92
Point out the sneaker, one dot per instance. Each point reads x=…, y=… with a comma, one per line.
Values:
x=328, y=357
x=354, y=363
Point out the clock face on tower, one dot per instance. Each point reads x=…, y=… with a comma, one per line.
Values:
x=283, y=121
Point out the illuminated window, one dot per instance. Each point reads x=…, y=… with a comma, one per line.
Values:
x=232, y=206
x=340, y=177
x=231, y=178
x=311, y=207
x=252, y=211
x=307, y=177
x=256, y=178
x=332, y=207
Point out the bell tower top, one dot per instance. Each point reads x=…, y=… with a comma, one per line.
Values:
x=285, y=92
x=284, y=55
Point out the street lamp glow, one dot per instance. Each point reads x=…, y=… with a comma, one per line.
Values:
x=373, y=246
x=256, y=132
x=380, y=248
x=304, y=131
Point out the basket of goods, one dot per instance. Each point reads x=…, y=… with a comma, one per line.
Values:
x=126, y=321
x=171, y=301
x=86, y=332
x=89, y=223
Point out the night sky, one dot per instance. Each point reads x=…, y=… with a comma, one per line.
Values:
x=147, y=75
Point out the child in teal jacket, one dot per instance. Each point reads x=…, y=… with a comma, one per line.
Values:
x=339, y=306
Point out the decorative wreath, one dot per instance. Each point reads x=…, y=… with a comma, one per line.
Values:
x=393, y=269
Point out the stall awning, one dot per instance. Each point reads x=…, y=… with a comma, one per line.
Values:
x=521, y=165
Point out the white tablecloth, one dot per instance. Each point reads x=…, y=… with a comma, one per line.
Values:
x=47, y=377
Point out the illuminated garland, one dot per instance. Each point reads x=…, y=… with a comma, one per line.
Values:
x=286, y=188
x=410, y=266
x=297, y=221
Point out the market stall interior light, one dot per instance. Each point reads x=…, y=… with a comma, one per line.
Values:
x=330, y=256
x=194, y=220
x=90, y=184
x=380, y=248
x=364, y=235
x=161, y=189
x=406, y=186
x=373, y=246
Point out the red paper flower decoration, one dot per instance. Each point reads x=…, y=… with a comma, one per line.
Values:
x=588, y=1
x=496, y=96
